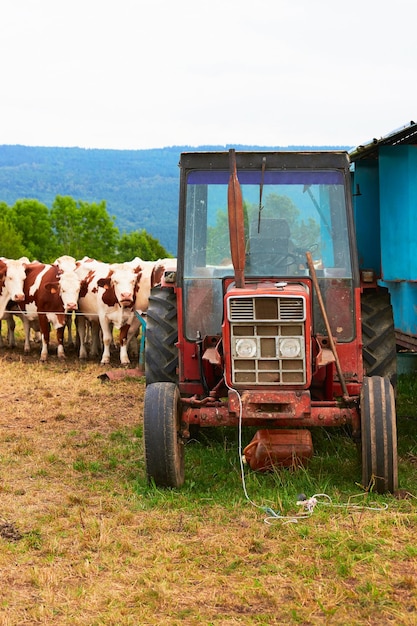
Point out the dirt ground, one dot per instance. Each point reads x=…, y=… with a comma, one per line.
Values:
x=69, y=391
x=84, y=542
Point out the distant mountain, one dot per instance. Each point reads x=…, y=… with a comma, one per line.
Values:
x=140, y=187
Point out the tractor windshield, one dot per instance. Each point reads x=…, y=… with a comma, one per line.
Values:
x=286, y=214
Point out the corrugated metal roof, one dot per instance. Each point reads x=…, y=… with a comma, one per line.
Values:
x=404, y=135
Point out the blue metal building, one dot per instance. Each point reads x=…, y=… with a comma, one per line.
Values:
x=384, y=175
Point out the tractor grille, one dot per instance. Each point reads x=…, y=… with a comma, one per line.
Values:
x=279, y=309
x=267, y=340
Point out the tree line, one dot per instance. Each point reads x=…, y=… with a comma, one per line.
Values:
x=77, y=228
x=140, y=187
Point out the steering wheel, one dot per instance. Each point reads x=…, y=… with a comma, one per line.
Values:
x=285, y=260
x=266, y=262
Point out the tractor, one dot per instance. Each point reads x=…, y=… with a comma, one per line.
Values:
x=266, y=320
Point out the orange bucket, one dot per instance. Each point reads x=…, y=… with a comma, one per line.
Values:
x=279, y=447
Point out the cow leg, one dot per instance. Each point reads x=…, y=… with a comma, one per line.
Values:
x=81, y=329
x=124, y=357
x=26, y=328
x=107, y=339
x=44, y=349
x=95, y=338
x=68, y=325
x=35, y=334
x=132, y=343
x=11, y=340
x=113, y=341
x=45, y=336
x=60, y=340
x=11, y=325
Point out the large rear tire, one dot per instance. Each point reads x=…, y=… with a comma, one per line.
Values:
x=164, y=446
x=161, y=353
x=379, y=435
x=378, y=335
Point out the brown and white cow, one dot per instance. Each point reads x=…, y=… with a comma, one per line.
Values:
x=12, y=278
x=107, y=297
x=51, y=293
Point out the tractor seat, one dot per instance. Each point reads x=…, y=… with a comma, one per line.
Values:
x=268, y=247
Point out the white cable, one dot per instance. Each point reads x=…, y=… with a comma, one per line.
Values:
x=309, y=504
x=347, y=505
x=242, y=469
x=272, y=514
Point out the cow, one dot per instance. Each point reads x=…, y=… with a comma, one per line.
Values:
x=107, y=297
x=12, y=277
x=51, y=293
x=87, y=321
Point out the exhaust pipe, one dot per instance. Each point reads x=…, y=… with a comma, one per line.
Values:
x=236, y=222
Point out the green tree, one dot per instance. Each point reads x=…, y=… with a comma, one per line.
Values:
x=218, y=238
x=139, y=243
x=304, y=233
x=30, y=218
x=84, y=229
x=10, y=240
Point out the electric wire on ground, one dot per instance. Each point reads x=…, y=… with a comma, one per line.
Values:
x=307, y=505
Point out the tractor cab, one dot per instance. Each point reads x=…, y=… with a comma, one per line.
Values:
x=287, y=211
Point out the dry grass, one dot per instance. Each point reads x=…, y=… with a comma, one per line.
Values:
x=84, y=541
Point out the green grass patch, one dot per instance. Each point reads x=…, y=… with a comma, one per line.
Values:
x=407, y=395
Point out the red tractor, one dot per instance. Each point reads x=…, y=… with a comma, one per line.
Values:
x=260, y=323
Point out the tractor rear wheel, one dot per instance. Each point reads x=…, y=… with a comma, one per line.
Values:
x=379, y=347
x=164, y=446
x=379, y=435
x=161, y=354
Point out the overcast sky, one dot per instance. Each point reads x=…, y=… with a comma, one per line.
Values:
x=134, y=74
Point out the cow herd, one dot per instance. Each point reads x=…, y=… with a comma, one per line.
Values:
x=100, y=296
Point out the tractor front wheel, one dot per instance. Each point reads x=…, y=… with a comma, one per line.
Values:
x=379, y=435
x=164, y=446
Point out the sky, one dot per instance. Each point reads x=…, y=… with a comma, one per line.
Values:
x=136, y=74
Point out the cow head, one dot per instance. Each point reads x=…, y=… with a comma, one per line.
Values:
x=157, y=273
x=164, y=268
x=66, y=263
x=121, y=283
x=67, y=286
x=13, y=278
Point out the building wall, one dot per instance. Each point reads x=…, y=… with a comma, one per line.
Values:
x=398, y=207
x=367, y=214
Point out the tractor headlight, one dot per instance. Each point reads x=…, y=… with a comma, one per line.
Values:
x=246, y=348
x=289, y=347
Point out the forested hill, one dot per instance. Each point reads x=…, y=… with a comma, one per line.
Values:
x=140, y=187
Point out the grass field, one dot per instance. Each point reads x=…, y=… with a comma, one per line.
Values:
x=85, y=541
